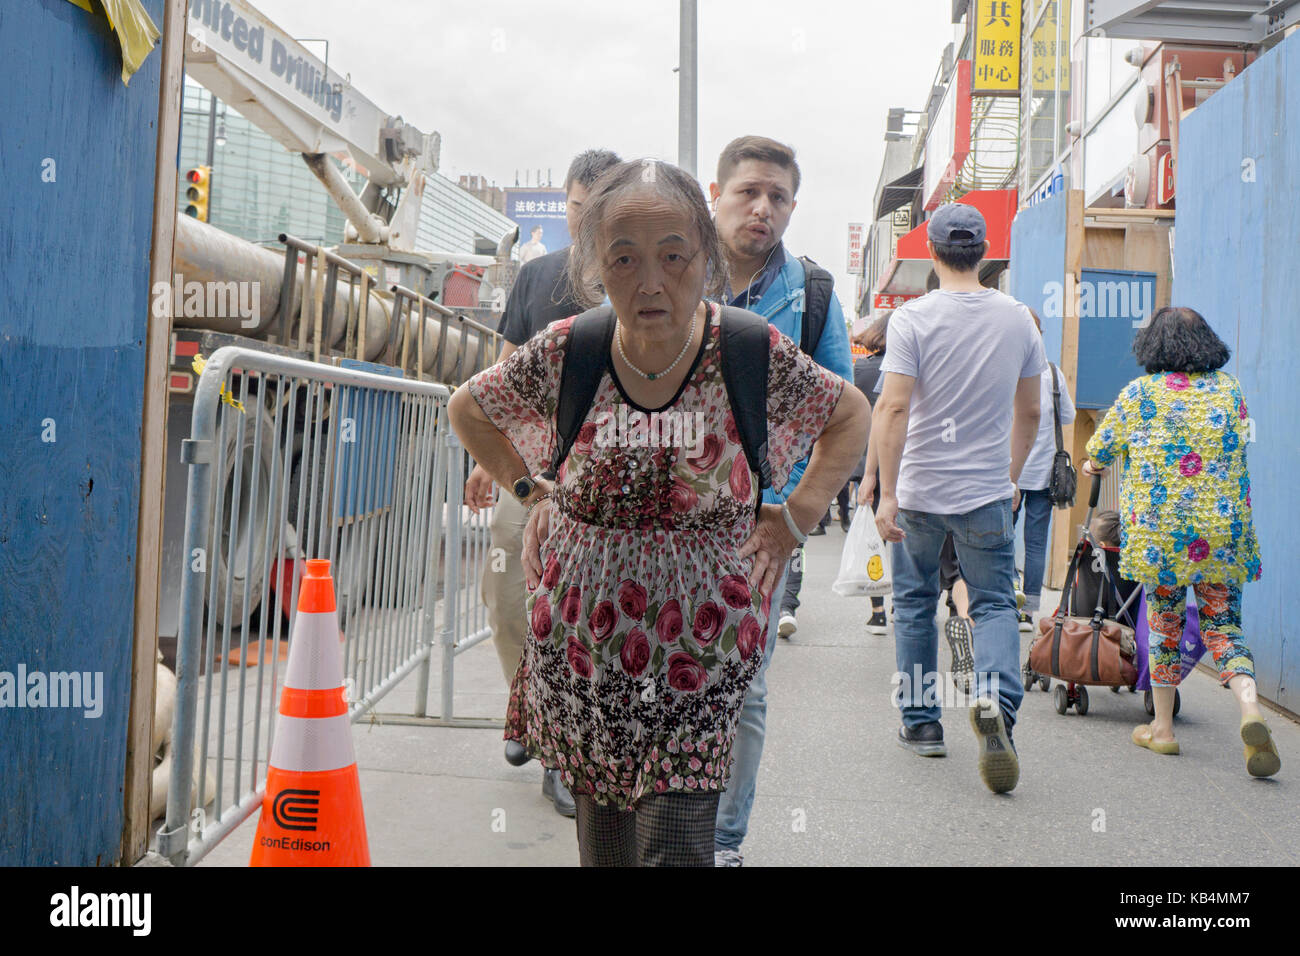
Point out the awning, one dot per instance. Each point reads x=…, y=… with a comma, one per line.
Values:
x=900, y=192
x=908, y=271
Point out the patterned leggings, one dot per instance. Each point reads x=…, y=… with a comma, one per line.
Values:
x=664, y=829
x=1219, y=606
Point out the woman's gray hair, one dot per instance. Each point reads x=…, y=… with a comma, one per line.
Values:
x=636, y=176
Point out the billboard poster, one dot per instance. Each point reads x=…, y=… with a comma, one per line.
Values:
x=533, y=210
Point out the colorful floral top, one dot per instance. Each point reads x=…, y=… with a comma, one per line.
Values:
x=1185, y=491
x=644, y=632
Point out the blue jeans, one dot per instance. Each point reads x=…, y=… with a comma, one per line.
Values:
x=986, y=552
x=747, y=749
x=1037, y=509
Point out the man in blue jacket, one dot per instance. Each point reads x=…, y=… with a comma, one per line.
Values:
x=753, y=199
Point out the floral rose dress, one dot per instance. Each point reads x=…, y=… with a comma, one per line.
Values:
x=644, y=634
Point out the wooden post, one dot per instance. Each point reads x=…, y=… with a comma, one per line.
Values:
x=138, y=778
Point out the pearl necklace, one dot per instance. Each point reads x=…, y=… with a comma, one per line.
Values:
x=651, y=376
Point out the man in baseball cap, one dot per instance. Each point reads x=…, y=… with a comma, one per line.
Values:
x=955, y=421
x=958, y=225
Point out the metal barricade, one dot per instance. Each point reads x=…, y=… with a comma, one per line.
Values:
x=290, y=460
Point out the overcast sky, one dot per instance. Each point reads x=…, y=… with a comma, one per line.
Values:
x=515, y=85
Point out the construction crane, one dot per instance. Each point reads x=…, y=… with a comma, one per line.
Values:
x=270, y=78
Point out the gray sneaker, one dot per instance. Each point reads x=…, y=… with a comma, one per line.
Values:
x=958, y=632
x=999, y=763
x=923, y=739
x=723, y=857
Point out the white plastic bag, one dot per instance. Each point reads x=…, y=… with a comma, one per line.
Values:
x=864, y=566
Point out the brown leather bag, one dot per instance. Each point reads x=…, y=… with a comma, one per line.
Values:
x=1084, y=650
x=1093, y=650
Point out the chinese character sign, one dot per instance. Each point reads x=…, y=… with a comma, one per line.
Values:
x=1049, y=45
x=885, y=300
x=855, y=247
x=539, y=214
x=996, y=67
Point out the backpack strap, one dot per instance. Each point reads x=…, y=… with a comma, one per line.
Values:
x=585, y=358
x=744, y=345
x=818, y=286
x=745, y=341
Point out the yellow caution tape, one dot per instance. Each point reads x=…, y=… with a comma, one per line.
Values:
x=199, y=364
x=135, y=31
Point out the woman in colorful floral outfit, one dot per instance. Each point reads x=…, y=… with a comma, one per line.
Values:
x=652, y=572
x=1181, y=432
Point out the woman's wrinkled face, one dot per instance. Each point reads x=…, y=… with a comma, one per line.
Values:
x=652, y=265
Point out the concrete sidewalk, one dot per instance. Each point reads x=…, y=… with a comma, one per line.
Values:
x=836, y=789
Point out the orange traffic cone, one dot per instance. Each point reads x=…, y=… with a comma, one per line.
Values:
x=311, y=814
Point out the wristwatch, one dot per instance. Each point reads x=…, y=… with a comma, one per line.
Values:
x=523, y=487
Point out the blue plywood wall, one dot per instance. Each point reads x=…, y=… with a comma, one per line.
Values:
x=1237, y=235
x=74, y=287
x=1037, y=261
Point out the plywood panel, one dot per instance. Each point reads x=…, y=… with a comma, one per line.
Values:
x=1235, y=262
x=75, y=284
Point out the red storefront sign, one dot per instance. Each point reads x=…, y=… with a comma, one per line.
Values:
x=888, y=300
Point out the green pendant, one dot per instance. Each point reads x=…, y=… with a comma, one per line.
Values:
x=651, y=376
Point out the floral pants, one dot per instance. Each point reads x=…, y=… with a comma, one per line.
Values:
x=1219, y=606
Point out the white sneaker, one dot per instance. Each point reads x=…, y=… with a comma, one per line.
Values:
x=787, y=625
x=728, y=858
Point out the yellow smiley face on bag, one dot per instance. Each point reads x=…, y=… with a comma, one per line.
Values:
x=875, y=568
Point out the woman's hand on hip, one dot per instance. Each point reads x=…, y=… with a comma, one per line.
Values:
x=771, y=544
x=536, y=533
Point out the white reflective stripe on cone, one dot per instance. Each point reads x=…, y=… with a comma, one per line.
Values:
x=309, y=744
x=316, y=656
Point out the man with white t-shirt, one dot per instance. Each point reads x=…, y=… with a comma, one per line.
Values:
x=954, y=423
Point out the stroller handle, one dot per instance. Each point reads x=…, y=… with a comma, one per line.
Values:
x=1095, y=492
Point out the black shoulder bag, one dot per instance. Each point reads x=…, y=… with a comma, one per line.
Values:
x=1064, y=480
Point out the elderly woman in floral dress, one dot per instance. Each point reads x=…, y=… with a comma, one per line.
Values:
x=652, y=571
x=1180, y=432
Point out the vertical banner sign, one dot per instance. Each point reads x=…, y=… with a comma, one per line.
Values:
x=997, y=48
x=855, y=248
x=1050, y=45
x=539, y=213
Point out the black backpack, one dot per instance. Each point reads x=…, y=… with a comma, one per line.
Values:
x=744, y=356
x=817, y=289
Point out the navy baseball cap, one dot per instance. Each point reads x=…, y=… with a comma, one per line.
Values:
x=956, y=224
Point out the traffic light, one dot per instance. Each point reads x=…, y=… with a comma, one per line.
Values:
x=197, y=192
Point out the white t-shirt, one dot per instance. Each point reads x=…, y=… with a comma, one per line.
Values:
x=967, y=352
x=1037, y=474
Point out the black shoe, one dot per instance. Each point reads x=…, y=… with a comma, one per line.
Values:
x=876, y=624
x=516, y=755
x=553, y=789
x=999, y=763
x=820, y=529
x=844, y=524
x=923, y=739
x=1026, y=621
